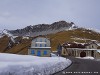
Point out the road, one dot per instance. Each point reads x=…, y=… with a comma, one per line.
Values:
x=81, y=67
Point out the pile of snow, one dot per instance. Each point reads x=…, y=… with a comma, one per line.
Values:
x=88, y=57
x=53, y=55
x=97, y=59
x=98, y=51
x=11, y=64
x=54, y=51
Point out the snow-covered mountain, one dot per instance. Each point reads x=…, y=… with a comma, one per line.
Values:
x=1, y=33
x=43, y=29
x=6, y=32
x=61, y=32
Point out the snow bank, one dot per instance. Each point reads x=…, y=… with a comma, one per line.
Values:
x=97, y=59
x=11, y=64
x=88, y=57
x=53, y=55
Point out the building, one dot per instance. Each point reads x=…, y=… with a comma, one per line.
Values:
x=81, y=49
x=40, y=46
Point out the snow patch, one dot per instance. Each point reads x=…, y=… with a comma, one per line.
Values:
x=53, y=55
x=76, y=38
x=88, y=57
x=12, y=64
x=9, y=35
x=98, y=51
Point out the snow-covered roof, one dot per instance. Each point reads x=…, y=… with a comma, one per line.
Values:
x=90, y=49
x=77, y=45
x=81, y=49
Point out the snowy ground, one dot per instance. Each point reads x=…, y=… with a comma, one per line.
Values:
x=11, y=64
x=88, y=57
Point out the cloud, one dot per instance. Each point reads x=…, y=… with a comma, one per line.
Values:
x=5, y=14
x=15, y=13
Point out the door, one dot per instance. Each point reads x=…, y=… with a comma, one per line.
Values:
x=82, y=54
x=45, y=52
x=92, y=53
x=32, y=52
x=38, y=53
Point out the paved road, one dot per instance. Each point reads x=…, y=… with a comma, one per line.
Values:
x=81, y=66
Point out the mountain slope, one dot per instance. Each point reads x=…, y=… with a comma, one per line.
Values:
x=78, y=35
x=4, y=43
x=58, y=32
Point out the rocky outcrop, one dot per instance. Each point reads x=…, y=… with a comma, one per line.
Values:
x=43, y=29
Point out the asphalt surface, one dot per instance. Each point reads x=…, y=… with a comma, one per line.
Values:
x=81, y=67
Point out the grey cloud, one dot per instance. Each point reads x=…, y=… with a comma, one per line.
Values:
x=20, y=13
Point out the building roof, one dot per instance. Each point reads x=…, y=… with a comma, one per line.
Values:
x=84, y=49
x=41, y=36
x=77, y=45
x=73, y=45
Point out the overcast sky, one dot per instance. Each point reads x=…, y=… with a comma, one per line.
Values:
x=16, y=14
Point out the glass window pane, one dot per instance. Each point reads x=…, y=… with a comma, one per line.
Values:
x=36, y=40
x=32, y=52
x=40, y=40
x=45, y=40
x=40, y=45
x=45, y=45
x=38, y=53
x=35, y=45
x=45, y=53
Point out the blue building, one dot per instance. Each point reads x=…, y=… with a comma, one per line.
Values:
x=40, y=46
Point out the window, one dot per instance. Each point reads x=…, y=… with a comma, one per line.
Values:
x=32, y=52
x=40, y=40
x=45, y=40
x=45, y=53
x=35, y=45
x=40, y=45
x=38, y=53
x=45, y=45
x=36, y=40
x=92, y=46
